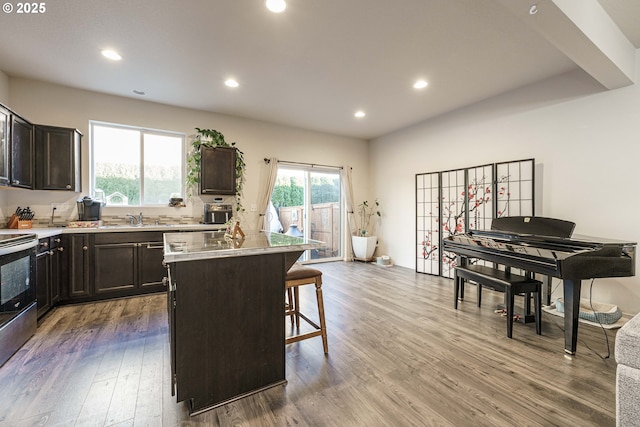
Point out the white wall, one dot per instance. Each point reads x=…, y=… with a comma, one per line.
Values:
x=52, y=104
x=586, y=142
x=4, y=88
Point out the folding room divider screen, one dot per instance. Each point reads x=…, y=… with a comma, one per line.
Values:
x=457, y=201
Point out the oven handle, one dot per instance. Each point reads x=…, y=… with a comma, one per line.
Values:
x=17, y=248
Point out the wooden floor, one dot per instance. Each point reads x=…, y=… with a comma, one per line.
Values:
x=399, y=355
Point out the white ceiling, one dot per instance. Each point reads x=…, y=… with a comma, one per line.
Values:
x=315, y=64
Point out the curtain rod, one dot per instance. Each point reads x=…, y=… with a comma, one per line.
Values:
x=267, y=161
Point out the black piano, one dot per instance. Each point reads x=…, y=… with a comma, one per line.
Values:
x=533, y=244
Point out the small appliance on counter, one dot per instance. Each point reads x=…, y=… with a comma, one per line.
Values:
x=215, y=213
x=89, y=209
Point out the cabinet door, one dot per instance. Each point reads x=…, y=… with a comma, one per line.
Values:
x=171, y=314
x=75, y=266
x=55, y=260
x=21, y=152
x=43, y=273
x=57, y=158
x=115, y=267
x=151, y=269
x=4, y=145
x=218, y=170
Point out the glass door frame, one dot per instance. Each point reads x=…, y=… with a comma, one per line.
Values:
x=308, y=171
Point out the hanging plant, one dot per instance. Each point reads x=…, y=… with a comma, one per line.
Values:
x=212, y=138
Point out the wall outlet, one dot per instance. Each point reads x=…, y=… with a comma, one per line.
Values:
x=60, y=207
x=254, y=207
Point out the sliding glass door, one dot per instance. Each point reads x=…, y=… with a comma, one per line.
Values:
x=307, y=201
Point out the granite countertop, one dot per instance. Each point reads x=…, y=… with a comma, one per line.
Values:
x=213, y=244
x=54, y=231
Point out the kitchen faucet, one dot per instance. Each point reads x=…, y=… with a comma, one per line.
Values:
x=135, y=220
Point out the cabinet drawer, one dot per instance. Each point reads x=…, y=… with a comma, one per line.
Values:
x=54, y=241
x=128, y=237
x=43, y=245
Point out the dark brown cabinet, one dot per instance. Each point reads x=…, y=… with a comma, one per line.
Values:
x=22, y=149
x=55, y=261
x=57, y=158
x=48, y=273
x=128, y=263
x=5, y=143
x=218, y=170
x=75, y=270
x=226, y=327
x=43, y=273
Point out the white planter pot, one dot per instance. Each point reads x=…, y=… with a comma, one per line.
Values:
x=364, y=246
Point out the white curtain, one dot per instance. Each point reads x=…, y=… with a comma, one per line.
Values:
x=263, y=222
x=347, y=190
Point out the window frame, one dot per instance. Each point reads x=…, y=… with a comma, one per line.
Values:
x=143, y=131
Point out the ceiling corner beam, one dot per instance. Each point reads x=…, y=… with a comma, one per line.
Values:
x=586, y=34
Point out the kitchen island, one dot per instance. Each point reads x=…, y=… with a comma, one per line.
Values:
x=226, y=313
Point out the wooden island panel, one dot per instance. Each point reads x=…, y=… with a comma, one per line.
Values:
x=227, y=327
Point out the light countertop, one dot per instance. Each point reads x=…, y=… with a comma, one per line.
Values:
x=54, y=231
x=213, y=244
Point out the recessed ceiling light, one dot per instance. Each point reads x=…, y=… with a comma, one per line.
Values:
x=139, y=92
x=231, y=83
x=111, y=54
x=420, y=84
x=360, y=114
x=533, y=9
x=276, y=6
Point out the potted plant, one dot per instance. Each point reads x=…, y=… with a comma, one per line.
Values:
x=363, y=241
x=212, y=138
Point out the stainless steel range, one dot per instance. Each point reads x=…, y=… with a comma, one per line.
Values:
x=18, y=311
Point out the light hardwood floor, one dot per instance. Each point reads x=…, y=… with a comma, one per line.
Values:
x=399, y=355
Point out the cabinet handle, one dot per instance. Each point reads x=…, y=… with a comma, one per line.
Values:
x=84, y=248
x=61, y=249
x=51, y=253
x=57, y=240
x=44, y=244
x=17, y=182
x=68, y=187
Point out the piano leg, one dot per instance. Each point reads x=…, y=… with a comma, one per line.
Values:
x=571, y=313
x=547, y=282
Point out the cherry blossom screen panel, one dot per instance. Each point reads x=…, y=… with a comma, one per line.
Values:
x=427, y=220
x=462, y=200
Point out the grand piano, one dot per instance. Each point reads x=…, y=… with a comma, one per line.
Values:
x=532, y=244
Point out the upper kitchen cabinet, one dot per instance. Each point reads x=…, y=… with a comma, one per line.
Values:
x=57, y=158
x=21, y=166
x=218, y=170
x=5, y=120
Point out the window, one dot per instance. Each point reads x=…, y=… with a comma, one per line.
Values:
x=135, y=167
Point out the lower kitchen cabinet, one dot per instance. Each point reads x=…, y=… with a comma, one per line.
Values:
x=43, y=274
x=48, y=273
x=97, y=266
x=128, y=263
x=76, y=267
x=55, y=261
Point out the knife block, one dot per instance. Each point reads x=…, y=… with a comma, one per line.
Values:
x=16, y=223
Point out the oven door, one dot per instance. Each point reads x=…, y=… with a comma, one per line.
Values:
x=17, y=279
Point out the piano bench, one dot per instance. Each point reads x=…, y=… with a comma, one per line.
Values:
x=504, y=281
